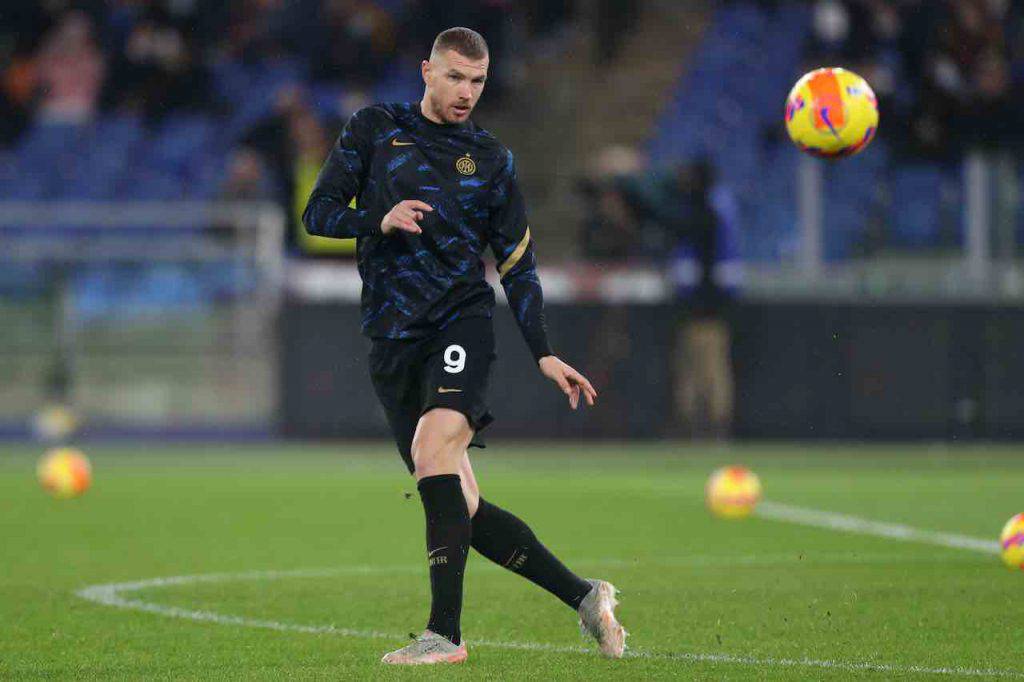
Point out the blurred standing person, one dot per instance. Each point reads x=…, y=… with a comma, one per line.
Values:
x=612, y=21
x=611, y=232
x=272, y=137
x=158, y=70
x=700, y=216
x=70, y=70
x=353, y=42
x=294, y=144
x=309, y=147
x=613, y=236
x=703, y=375
x=246, y=178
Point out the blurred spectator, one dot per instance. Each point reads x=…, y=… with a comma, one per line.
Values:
x=157, y=70
x=352, y=41
x=69, y=68
x=294, y=144
x=546, y=17
x=272, y=137
x=17, y=89
x=689, y=224
x=700, y=217
x=703, y=373
x=222, y=63
x=612, y=230
x=941, y=68
x=613, y=19
x=22, y=26
x=252, y=29
x=966, y=77
x=246, y=177
x=309, y=147
x=848, y=31
x=865, y=36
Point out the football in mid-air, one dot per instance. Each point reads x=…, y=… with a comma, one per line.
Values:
x=832, y=113
x=64, y=472
x=1011, y=542
x=732, y=492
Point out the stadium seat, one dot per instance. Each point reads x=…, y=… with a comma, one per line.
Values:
x=103, y=292
x=924, y=214
x=179, y=140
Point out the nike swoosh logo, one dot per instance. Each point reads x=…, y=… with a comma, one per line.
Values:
x=396, y=143
x=449, y=390
x=431, y=553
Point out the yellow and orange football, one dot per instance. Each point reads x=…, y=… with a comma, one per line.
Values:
x=832, y=113
x=1011, y=543
x=732, y=492
x=64, y=472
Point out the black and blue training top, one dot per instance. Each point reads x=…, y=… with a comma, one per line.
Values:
x=416, y=284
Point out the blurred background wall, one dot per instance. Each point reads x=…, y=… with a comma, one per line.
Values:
x=155, y=155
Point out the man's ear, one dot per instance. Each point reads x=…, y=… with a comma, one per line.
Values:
x=425, y=69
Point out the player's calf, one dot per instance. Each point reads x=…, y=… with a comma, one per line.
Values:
x=438, y=448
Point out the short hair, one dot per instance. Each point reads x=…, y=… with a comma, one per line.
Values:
x=465, y=41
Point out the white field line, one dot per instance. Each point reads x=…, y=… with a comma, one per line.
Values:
x=112, y=594
x=852, y=524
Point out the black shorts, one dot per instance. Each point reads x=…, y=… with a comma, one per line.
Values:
x=448, y=369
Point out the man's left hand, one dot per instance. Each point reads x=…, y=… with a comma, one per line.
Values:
x=568, y=379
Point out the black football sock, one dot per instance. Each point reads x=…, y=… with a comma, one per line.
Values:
x=448, y=532
x=507, y=541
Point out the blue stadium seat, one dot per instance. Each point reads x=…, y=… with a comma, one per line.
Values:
x=326, y=99
x=103, y=292
x=251, y=91
x=179, y=140
x=204, y=176
x=851, y=197
x=924, y=211
x=140, y=183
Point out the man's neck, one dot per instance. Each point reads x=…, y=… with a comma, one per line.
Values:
x=428, y=113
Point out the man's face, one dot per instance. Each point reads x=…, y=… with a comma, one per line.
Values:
x=454, y=84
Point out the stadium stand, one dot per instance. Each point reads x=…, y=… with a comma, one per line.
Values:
x=141, y=130
x=136, y=129
x=191, y=101
x=726, y=107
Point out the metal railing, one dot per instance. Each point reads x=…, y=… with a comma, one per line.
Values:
x=140, y=314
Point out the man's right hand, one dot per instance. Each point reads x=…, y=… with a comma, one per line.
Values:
x=405, y=216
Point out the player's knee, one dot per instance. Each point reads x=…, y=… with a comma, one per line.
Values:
x=441, y=438
x=443, y=428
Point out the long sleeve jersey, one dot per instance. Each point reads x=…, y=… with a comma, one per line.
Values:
x=417, y=284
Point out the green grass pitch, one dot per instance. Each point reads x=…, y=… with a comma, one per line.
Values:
x=702, y=598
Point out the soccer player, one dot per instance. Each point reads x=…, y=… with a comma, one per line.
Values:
x=432, y=191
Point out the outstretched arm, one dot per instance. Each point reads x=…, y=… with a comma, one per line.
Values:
x=517, y=267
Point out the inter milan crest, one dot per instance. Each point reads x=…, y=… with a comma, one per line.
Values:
x=465, y=165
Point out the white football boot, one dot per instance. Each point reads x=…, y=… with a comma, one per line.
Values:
x=427, y=649
x=597, y=618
